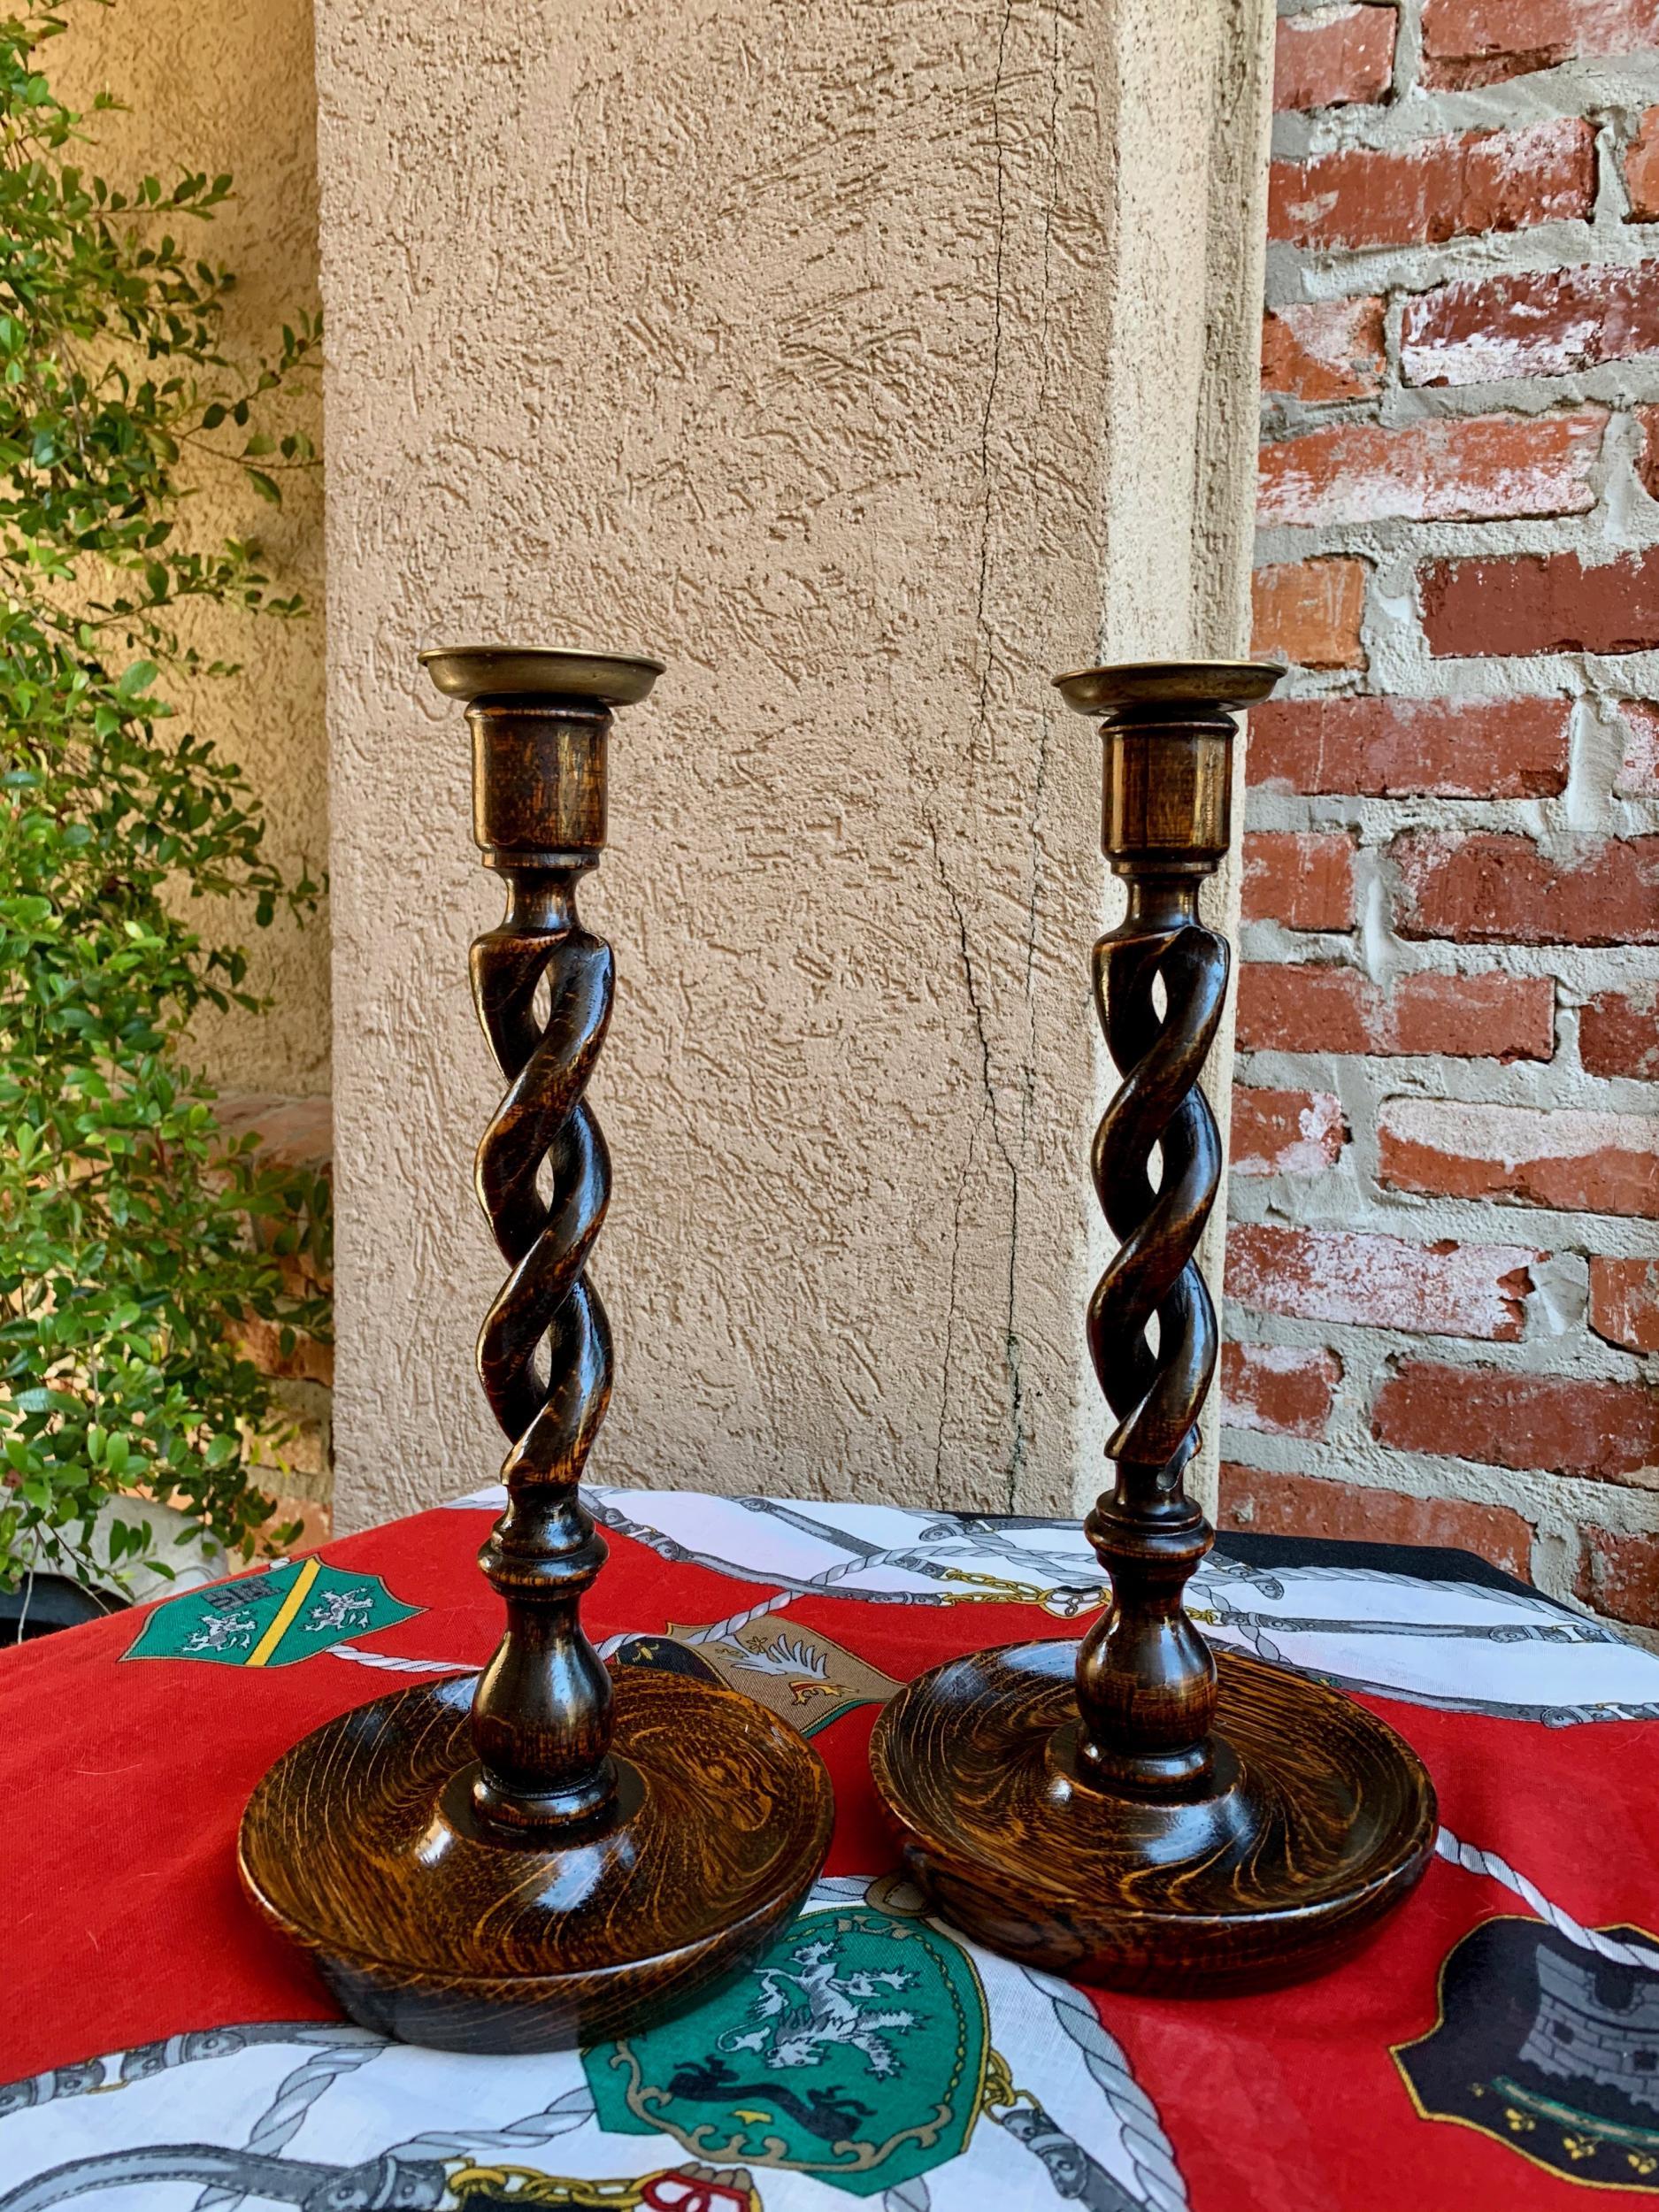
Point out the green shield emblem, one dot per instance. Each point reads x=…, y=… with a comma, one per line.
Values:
x=854, y=2051
x=297, y=1610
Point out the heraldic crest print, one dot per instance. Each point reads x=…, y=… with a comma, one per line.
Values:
x=862, y=2057
x=870, y=2055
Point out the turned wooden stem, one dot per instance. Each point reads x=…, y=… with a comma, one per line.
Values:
x=1145, y=1680
x=543, y=986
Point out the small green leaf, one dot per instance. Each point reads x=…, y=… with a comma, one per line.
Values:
x=135, y=681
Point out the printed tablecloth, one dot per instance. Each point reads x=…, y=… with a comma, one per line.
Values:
x=1497, y=2045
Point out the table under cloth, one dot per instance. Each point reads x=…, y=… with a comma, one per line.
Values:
x=1498, y=2043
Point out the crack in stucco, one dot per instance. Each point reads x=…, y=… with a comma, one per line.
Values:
x=1028, y=1073
x=1012, y=1349
x=950, y=1307
x=1016, y=1372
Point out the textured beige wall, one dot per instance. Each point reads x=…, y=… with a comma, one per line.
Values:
x=868, y=363
x=218, y=85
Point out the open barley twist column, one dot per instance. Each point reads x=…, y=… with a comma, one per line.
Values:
x=539, y=1856
x=1134, y=1809
x=1145, y=1680
x=541, y=1719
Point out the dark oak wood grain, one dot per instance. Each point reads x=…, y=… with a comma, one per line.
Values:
x=1314, y=1821
x=365, y=1845
x=539, y=1856
x=1122, y=1810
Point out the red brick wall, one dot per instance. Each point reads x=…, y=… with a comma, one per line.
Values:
x=1443, y=1271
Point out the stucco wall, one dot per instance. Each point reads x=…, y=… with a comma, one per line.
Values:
x=215, y=85
x=868, y=363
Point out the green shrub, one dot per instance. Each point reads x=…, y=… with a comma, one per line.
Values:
x=133, y=1235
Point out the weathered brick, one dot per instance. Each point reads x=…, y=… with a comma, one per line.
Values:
x=261, y=1341
x=1541, y=602
x=1618, y=1033
x=1548, y=322
x=1298, y=1505
x=1482, y=468
x=292, y=1132
x=1308, y=612
x=1581, y=1163
x=1281, y=1389
x=1647, y=452
x=1485, y=749
x=1494, y=887
x=1285, y=1133
x=1483, y=41
x=1619, y=1576
x=1641, y=170
x=1334, y=56
x=1307, y=1006
x=1313, y=1006
x=1555, y=1424
x=1625, y=1302
x=1443, y=1289
x=315, y=1517
x=1441, y=189
x=1493, y=330
x=1324, y=349
x=1487, y=1016
x=1301, y=877
x=1638, y=774
x=308, y=1454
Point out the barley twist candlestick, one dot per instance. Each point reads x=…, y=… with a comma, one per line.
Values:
x=1146, y=1682
x=540, y=1716
x=538, y=1856
x=1135, y=1809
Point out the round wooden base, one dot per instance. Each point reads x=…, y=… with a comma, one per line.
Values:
x=361, y=1844
x=1317, y=1822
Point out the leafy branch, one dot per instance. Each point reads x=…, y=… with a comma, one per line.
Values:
x=133, y=1237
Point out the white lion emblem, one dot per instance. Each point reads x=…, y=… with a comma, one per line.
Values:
x=339, y=1609
x=223, y=1632
x=802, y=2015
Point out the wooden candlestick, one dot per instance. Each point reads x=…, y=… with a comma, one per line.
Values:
x=1134, y=1810
x=540, y=1855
